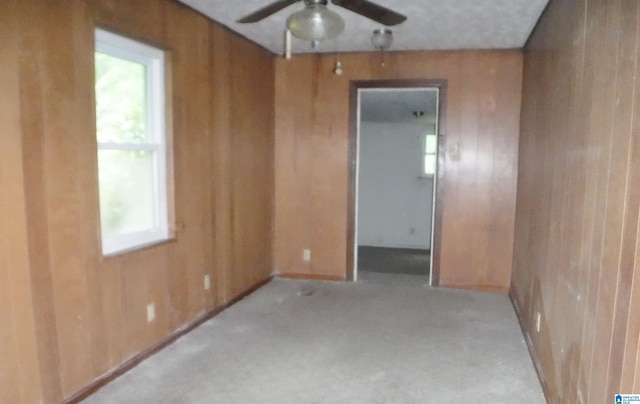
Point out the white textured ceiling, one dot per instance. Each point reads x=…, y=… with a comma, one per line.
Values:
x=431, y=24
x=398, y=105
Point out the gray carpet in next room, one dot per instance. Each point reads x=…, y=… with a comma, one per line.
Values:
x=393, y=260
x=322, y=342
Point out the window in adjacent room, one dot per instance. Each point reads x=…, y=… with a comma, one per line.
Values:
x=132, y=146
x=430, y=155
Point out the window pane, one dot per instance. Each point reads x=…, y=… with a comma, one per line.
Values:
x=121, y=100
x=130, y=120
x=127, y=194
x=431, y=144
x=430, y=164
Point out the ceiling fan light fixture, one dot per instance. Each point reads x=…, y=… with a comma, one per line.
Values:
x=382, y=38
x=315, y=22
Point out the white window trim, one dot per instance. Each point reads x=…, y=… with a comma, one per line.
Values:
x=128, y=49
x=424, y=173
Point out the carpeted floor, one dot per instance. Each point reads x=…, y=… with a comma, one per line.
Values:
x=323, y=342
x=393, y=260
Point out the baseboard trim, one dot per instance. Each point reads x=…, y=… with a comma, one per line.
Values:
x=312, y=277
x=248, y=292
x=532, y=353
x=130, y=363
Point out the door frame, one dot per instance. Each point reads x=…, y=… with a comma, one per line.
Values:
x=354, y=87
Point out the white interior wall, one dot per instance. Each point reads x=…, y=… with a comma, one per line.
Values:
x=394, y=202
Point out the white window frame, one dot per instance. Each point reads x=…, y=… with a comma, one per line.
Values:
x=424, y=173
x=154, y=59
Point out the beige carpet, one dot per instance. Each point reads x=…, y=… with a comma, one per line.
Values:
x=378, y=341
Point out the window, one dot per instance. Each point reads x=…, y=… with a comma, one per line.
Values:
x=430, y=154
x=132, y=155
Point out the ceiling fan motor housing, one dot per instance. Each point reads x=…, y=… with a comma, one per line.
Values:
x=316, y=22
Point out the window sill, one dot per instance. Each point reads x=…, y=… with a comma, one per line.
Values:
x=139, y=248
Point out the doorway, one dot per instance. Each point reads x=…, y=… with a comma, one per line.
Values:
x=396, y=174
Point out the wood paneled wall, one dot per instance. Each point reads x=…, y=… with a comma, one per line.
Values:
x=481, y=148
x=576, y=246
x=19, y=373
x=67, y=314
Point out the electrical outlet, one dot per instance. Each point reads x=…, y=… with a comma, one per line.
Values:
x=207, y=282
x=151, y=312
x=537, y=321
x=306, y=255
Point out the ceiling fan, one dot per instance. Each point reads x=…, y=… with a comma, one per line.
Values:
x=316, y=22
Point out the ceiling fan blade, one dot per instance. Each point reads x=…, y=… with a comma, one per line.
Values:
x=372, y=11
x=266, y=11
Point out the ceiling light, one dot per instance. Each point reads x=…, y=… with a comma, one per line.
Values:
x=337, y=70
x=382, y=38
x=315, y=22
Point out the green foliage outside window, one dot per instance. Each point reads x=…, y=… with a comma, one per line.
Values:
x=120, y=100
x=126, y=176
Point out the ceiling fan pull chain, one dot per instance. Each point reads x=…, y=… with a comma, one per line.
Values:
x=287, y=44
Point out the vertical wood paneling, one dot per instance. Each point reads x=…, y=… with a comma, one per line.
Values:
x=628, y=308
x=630, y=377
x=290, y=149
x=220, y=62
x=19, y=376
x=66, y=89
x=578, y=196
x=623, y=200
x=188, y=39
x=32, y=119
x=68, y=315
x=312, y=159
x=597, y=16
x=252, y=146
